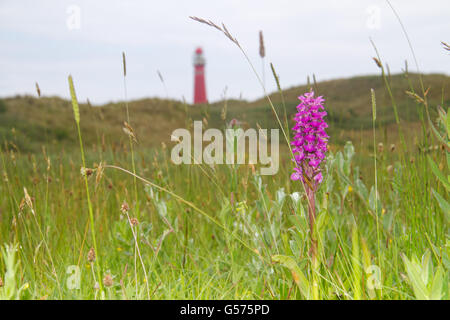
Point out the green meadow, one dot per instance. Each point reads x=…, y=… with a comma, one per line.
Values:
x=92, y=207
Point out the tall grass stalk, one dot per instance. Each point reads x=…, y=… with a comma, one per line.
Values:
x=133, y=166
x=29, y=203
x=76, y=112
x=374, y=118
x=388, y=88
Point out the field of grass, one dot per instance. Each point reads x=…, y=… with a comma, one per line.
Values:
x=95, y=209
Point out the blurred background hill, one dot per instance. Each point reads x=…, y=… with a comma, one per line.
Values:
x=27, y=122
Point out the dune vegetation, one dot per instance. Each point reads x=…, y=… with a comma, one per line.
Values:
x=92, y=207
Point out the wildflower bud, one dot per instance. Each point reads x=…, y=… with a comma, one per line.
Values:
x=1, y=282
x=124, y=208
x=380, y=147
x=91, y=255
x=134, y=222
x=96, y=286
x=108, y=281
x=233, y=123
x=392, y=147
x=86, y=172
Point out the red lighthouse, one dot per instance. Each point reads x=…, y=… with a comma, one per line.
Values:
x=199, y=77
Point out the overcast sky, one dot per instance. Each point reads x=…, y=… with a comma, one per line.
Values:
x=44, y=41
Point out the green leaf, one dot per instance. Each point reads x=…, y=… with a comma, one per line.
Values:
x=448, y=122
x=361, y=189
x=439, y=174
x=426, y=267
x=297, y=274
x=321, y=222
x=445, y=206
x=414, y=276
x=349, y=151
x=436, y=286
x=448, y=159
x=356, y=265
x=374, y=201
x=436, y=133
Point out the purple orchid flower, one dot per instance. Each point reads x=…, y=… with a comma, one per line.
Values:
x=310, y=144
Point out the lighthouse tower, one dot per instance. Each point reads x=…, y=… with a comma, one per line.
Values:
x=199, y=77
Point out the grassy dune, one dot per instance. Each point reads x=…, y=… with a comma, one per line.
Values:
x=30, y=122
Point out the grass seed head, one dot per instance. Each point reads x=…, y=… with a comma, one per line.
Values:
x=124, y=207
x=98, y=176
x=108, y=281
x=91, y=255
x=129, y=131
x=38, y=90
x=124, y=62
x=28, y=200
x=262, y=49
x=377, y=62
x=22, y=205
x=416, y=97
x=75, y=107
